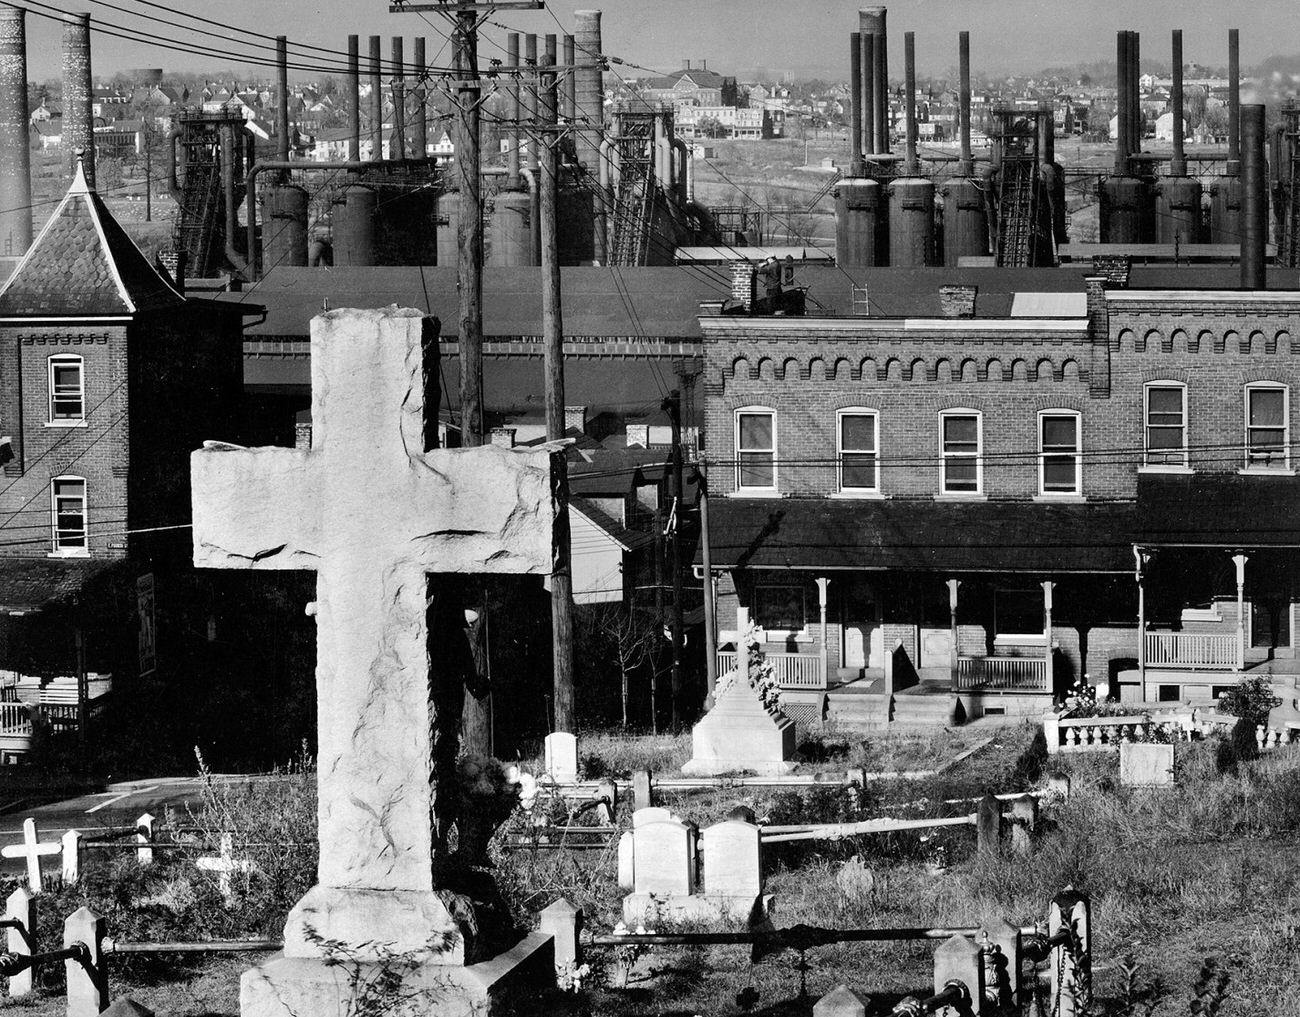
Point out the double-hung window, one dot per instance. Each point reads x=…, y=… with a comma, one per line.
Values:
x=962, y=470
x=756, y=449
x=1267, y=434
x=858, y=460
x=1060, y=459
x=1166, y=424
x=67, y=391
x=68, y=510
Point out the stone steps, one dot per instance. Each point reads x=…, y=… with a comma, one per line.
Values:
x=926, y=709
x=858, y=712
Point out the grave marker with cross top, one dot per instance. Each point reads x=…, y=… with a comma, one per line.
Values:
x=373, y=514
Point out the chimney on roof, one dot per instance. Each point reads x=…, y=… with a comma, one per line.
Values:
x=688, y=64
x=15, y=159
x=638, y=435
x=78, y=129
x=575, y=418
x=957, y=301
x=704, y=65
x=503, y=436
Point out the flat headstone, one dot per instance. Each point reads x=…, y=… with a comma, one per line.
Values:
x=642, y=792
x=125, y=1006
x=732, y=868
x=741, y=733
x=664, y=853
x=562, y=757
x=1146, y=764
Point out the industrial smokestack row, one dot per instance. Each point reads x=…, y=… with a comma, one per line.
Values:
x=965, y=218
x=589, y=89
x=15, y=159
x=78, y=126
x=911, y=197
x=1226, y=192
x=1178, y=196
x=1126, y=211
x=874, y=84
x=1254, y=203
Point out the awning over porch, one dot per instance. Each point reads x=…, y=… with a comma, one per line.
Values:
x=921, y=535
x=1218, y=510
x=31, y=584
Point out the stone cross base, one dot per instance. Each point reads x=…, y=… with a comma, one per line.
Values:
x=295, y=986
x=379, y=923
x=654, y=909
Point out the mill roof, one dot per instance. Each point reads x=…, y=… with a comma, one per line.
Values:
x=84, y=264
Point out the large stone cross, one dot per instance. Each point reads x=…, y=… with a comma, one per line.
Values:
x=372, y=513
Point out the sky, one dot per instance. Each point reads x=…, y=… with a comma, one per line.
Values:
x=803, y=38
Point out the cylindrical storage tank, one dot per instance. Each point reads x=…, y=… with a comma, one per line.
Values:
x=1178, y=210
x=858, y=233
x=284, y=227
x=1124, y=210
x=406, y=226
x=15, y=153
x=965, y=222
x=1053, y=177
x=510, y=234
x=1225, y=211
x=354, y=226
x=448, y=220
x=78, y=127
x=577, y=229
x=911, y=222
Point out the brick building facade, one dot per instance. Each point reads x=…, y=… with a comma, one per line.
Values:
x=980, y=486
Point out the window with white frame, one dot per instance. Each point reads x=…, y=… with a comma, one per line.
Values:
x=756, y=449
x=960, y=440
x=67, y=390
x=859, y=465
x=1060, y=459
x=1166, y=424
x=68, y=496
x=1267, y=433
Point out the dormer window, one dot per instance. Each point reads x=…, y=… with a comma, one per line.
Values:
x=67, y=391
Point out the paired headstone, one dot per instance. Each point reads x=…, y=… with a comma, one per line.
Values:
x=1146, y=764
x=732, y=868
x=664, y=850
x=373, y=514
x=562, y=757
x=741, y=733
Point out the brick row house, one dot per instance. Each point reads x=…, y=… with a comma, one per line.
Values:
x=963, y=506
x=108, y=379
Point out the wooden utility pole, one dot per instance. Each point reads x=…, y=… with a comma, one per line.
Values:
x=476, y=720
x=673, y=404
x=710, y=624
x=546, y=141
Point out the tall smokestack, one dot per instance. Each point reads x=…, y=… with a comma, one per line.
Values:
x=966, y=166
x=419, y=72
x=867, y=91
x=282, y=98
x=516, y=113
x=397, y=147
x=855, y=104
x=78, y=129
x=1178, y=164
x=531, y=108
x=569, y=96
x=354, y=97
x=1234, y=102
x=15, y=160
x=376, y=100
x=1121, y=104
x=590, y=88
x=1135, y=92
x=872, y=22
x=910, y=166
x=1254, y=198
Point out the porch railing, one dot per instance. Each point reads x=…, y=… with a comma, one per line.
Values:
x=1196, y=650
x=1012, y=674
x=793, y=670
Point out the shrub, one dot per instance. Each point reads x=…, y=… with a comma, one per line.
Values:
x=1251, y=699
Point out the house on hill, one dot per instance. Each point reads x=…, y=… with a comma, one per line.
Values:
x=109, y=377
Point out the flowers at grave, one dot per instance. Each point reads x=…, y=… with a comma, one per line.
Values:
x=762, y=673
x=1083, y=701
x=570, y=975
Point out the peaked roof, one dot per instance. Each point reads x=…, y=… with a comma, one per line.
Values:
x=84, y=264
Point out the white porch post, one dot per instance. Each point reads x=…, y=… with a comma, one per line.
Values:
x=1048, y=586
x=1140, y=558
x=955, y=652
x=742, y=642
x=1240, y=561
x=822, y=583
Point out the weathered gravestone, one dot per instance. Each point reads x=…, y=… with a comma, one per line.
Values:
x=374, y=514
x=562, y=757
x=1146, y=764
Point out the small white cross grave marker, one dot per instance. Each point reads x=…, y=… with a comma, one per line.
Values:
x=373, y=514
x=32, y=849
x=224, y=865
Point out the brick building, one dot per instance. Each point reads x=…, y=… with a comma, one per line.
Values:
x=981, y=474
x=108, y=379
